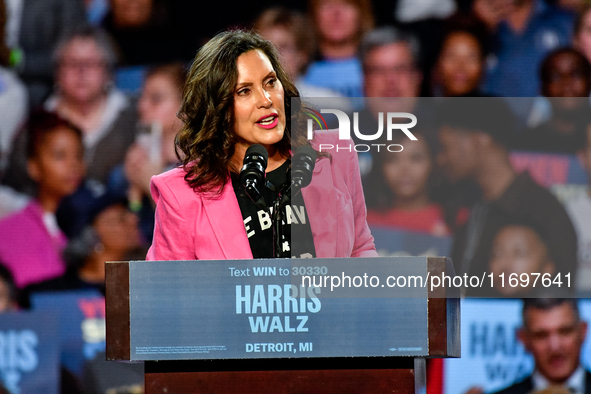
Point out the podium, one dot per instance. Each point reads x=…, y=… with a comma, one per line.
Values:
x=282, y=325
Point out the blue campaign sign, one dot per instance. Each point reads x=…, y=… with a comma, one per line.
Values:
x=81, y=323
x=29, y=355
x=390, y=242
x=251, y=309
x=492, y=356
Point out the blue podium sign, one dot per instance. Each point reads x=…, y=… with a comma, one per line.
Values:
x=257, y=309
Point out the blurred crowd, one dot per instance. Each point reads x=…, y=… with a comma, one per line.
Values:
x=90, y=89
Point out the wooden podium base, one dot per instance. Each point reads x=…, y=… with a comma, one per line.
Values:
x=289, y=376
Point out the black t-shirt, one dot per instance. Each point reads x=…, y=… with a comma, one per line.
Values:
x=297, y=233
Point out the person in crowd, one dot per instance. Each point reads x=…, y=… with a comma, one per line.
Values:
x=474, y=137
x=33, y=29
x=112, y=234
x=293, y=35
x=524, y=33
x=31, y=239
x=462, y=59
x=144, y=32
x=398, y=189
x=518, y=250
x=154, y=151
x=579, y=210
x=390, y=59
x=339, y=26
x=566, y=82
x=582, y=32
x=427, y=21
x=85, y=95
x=203, y=212
x=553, y=333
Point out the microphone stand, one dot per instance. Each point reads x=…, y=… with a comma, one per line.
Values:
x=278, y=216
x=305, y=159
x=288, y=190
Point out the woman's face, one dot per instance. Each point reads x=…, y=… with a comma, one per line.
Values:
x=82, y=71
x=58, y=167
x=117, y=229
x=337, y=21
x=259, y=114
x=407, y=172
x=518, y=250
x=460, y=64
x=160, y=102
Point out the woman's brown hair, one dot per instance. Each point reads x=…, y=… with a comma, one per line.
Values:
x=206, y=137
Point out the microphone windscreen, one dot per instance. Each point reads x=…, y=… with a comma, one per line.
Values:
x=258, y=150
x=303, y=163
x=306, y=152
x=254, y=165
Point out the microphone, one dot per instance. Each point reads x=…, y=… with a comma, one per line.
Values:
x=302, y=165
x=252, y=174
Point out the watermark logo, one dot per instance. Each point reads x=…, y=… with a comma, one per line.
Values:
x=319, y=119
x=344, y=128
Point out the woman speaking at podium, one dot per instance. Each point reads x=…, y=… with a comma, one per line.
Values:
x=237, y=95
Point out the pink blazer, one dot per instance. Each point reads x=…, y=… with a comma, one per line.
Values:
x=189, y=225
